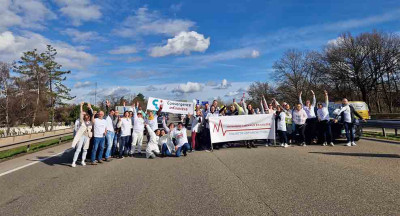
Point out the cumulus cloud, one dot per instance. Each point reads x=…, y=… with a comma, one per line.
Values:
x=82, y=37
x=83, y=84
x=184, y=42
x=223, y=56
x=12, y=46
x=24, y=13
x=79, y=10
x=335, y=42
x=189, y=87
x=223, y=85
x=129, y=49
x=145, y=22
x=235, y=94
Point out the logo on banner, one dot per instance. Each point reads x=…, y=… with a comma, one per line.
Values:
x=155, y=104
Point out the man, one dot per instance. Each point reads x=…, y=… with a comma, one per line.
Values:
x=324, y=122
x=100, y=131
x=347, y=113
x=311, y=117
x=110, y=130
x=138, y=128
x=299, y=118
x=182, y=143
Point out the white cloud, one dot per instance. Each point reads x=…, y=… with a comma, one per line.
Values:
x=335, y=42
x=24, y=13
x=223, y=56
x=82, y=37
x=71, y=57
x=129, y=49
x=184, y=42
x=79, y=10
x=189, y=87
x=145, y=22
x=154, y=88
x=223, y=85
x=83, y=84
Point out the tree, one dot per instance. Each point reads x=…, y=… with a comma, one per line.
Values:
x=30, y=68
x=5, y=83
x=57, y=91
x=258, y=89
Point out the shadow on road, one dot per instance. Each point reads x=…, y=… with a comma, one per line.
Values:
x=359, y=154
x=63, y=159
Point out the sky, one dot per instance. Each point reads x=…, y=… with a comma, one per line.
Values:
x=179, y=50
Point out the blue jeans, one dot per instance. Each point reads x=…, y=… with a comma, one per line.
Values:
x=123, y=144
x=165, y=151
x=98, y=142
x=183, y=148
x=117, y=137
x=110, y=140
x=348, y=127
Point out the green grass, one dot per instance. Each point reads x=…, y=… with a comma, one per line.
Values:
x=379, y=135
x=33, y=148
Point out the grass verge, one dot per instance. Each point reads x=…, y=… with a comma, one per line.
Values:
x=33, y=147
x=379, y=135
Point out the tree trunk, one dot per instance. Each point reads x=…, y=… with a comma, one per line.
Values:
x=37, y=100
x=52, y=104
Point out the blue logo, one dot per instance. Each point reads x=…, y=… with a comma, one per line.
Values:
x=155, y=103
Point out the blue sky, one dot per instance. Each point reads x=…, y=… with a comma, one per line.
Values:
x=179, y=49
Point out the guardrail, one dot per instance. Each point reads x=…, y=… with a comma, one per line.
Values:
x=384, y=124
x=34, y=141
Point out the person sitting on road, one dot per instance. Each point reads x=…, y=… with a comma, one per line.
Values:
x=182, y=143
x=82, y=136
x=152, y=150
x=168, y=147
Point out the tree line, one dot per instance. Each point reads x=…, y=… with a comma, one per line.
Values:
x=363, y=67
x=32, y=89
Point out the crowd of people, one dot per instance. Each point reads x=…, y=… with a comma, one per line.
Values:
x=111, y=135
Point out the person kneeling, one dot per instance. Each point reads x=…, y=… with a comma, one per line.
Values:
x=152, y=150
x=180, y=135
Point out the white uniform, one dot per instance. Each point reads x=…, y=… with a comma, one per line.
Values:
x=170, y=143
x=137, y=134
x=100, y=127
x=282, y=121
x=180, y=136
x=152, y=145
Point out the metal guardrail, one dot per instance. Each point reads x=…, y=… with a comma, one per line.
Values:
x=35, y=140
x=384, y=124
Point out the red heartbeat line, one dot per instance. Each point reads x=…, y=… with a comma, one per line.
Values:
x=226, y=131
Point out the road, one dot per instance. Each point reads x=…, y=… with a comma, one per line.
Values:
x=312, y=180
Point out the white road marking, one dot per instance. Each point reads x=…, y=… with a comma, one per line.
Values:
x=32, y=163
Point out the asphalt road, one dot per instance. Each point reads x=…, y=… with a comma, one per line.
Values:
x=312, y=180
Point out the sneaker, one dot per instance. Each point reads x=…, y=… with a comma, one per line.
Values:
x=99, y=161
x=83, y=163
x=353, y=144
x=348, y=144
x=331, y=144
x=122, y=157
x=73, y=165
x=266, y=145
x=282, y=144
x=324, y=144
x=107, y=159
x=207, y=150
x=93, y=163
x=303, y=144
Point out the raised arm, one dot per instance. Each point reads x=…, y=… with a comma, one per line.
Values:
x=165, y=125
x=326, y=99
x=150, y=131
x=107, y=107
x=262, y=107
x=81, y=113
x=300, y=101
x=314, y=101
x=124, y=106
x=246, y=111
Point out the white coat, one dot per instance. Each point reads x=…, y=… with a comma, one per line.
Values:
x=152, y=145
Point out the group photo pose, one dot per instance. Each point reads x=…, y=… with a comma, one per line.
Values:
x=205, y=127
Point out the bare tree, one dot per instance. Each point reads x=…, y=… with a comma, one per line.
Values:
x=5, y=82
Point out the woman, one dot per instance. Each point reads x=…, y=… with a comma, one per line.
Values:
x=299, y=119
x=281, y=126
x=152, y=146
x=82, y=136
x=125, y=123
x=182, y=143
x=168, y=148
x=324, y=122
x=196, y=127
x=137, y=132
x=249, y=111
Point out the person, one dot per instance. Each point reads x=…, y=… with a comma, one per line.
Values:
x=289, y=122
x=197, y=120
x=125, y=126
x=182, y=143
x=152, y=145
x=137, y=134
x=324, y=122
x=214, y=113
x=82, y=137
x=117, y=136
x=130, y=111
x=232, y=111
x=153, y=119
x=281, y=126
x=311, y=118
x=299, y=118
x=248, y=109
x=100, y=131
x=168, y=148
x=110, y=130
x=163, y=139
x=347, y=114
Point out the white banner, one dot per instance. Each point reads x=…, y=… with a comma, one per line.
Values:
x=169, y=106
x=242, y=127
